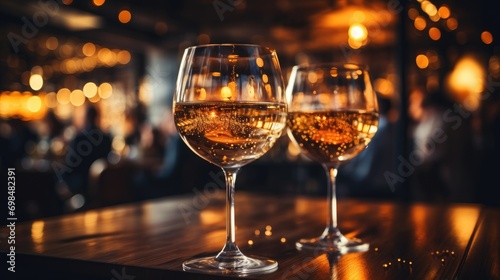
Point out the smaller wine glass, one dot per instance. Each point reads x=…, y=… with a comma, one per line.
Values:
x=332, y=117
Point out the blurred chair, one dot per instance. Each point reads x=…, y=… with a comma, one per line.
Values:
x=35, y=195
x=111, y=184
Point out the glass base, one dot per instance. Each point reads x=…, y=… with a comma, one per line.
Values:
x=241, y=265
x=332, y=241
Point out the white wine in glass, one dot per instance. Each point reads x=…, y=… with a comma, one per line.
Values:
x=332, y=117
x=229, y=108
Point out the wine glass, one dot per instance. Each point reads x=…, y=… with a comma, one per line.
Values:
x=332, y=117
x=229, y=107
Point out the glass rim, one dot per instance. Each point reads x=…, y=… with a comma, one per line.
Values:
x=230, y=45
x=347, y=66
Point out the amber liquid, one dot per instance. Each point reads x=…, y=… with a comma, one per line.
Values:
x=230, y=134
x=332, y=137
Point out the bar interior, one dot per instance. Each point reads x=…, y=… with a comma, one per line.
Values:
x=100, y=183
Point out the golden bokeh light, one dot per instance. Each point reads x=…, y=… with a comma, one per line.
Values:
x=355, y=44
x=90, y=89
x=452, y=24
x=434, y=33
x=36, y=81
x=37, y=70
x=50, y=100
x=444, y=12
x=123, y=57
x=358, y=32
x=429, y=8
x=384, y=87
x=88, y=49
x=105, y=90
x=413, y=13
x=52, y=43
x=77, y=98
x=487, y=37
x=124, y=16
x=98, y=3
x=312, y=77
x=63, y=96
x=422, y=61
x=94, y=99
x=466, y=82
x=34, y=103
x=420, y=23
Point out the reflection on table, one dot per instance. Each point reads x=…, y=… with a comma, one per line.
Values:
x=151, y=239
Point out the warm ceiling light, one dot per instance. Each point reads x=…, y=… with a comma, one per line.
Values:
x=358, y=32
x=75, y=20
x=466, y=82
x=124, y=16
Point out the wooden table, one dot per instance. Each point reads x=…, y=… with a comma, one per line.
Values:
x=151, y=239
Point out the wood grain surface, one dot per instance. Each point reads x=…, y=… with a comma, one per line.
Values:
x=151, y=239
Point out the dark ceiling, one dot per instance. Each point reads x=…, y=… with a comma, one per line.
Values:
x=290, y=26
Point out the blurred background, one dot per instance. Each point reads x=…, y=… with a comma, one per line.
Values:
x=86, y=90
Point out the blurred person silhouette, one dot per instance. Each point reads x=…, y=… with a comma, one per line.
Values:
x=89, y=144
x=15, y=136
x=50, y=129
x=55, y=126
x=443, y=150
x=179, y=171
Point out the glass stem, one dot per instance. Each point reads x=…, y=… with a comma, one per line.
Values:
x=230, y=250
x=331, y=222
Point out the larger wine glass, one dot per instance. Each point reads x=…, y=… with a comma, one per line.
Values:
x=332, y=116
x=229, y=108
